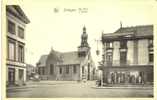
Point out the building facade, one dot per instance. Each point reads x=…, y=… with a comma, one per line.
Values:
x=31, y=71
x=16, y=23
x=73, y=65
x=128, y=56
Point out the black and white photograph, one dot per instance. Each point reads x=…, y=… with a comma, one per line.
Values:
x=78, y=49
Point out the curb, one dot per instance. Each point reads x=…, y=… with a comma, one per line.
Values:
x=122, y=87
x=21, y=87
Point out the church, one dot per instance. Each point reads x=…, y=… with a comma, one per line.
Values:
x=68, y=66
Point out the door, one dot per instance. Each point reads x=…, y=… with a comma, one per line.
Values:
x=88, y=71
x=11, y=75
x=21, y=74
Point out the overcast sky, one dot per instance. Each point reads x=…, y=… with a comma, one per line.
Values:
x=62, y=30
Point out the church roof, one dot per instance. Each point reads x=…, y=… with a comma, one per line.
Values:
x=42, y=61
x=63, y=58
x=70, y=58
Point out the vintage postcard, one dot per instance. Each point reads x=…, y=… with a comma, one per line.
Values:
x=78, y=49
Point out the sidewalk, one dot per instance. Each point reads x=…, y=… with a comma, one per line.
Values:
x=125, y=87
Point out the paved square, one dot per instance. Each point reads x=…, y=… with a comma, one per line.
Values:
x=59, y=89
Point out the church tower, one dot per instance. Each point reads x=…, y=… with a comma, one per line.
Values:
x=84, y=48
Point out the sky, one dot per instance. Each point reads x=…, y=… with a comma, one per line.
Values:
x=62, y=30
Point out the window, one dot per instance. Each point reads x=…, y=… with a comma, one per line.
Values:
x=20, y=32
x=11, y=50
x=43, y=71
x=151, y=57
x=11, y=75
x=109, y=57
x=123, y=57
x=11, y=27
x=67, y=69
x=151, y=43
x=60, y=70
x=21, y=53
x=20, y=74
x=82, y=69
x=109, y=45
x=75, y=69
x=51, y=69
x=123, y=44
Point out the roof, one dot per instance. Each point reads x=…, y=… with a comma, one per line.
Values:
x=70, y=58
x=16, y=11
x=64, y=58
x=53, y=57
x=42, y=61
x=60, y=58
x=144, y=30
x=130, y=32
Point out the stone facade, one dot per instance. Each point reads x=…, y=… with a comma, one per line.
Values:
x=128, y=55
x=16, y=67
x=143, y=52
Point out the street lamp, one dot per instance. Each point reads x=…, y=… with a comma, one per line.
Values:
x=97, y=51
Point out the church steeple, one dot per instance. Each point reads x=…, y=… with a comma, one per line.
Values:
x=84, y=48
x=84, y=29
x=84, y=38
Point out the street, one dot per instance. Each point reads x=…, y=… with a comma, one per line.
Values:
x=57, y=89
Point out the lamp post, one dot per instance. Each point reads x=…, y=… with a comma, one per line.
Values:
x=97, y=50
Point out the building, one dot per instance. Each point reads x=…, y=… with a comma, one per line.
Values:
x=31, y=71
x=128, y=56
x=73, y=65
x=16, y=23
x=41, y=67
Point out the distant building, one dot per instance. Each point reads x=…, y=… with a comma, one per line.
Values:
x=128, y=56
x=41, y=66
x=16, y=22
x=31, y=71
x=73, y=65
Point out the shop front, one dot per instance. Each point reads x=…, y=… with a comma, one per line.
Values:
x=11, y=76
x=128, y=75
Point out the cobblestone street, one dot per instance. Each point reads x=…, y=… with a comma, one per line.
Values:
x=56, y=89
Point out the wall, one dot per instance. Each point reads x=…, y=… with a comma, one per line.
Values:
x=68, y=76
x=137, y=52
x=15, y=64
x=64, y=76
x=116, y=53
x=143, y=52
x=130, y=52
